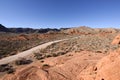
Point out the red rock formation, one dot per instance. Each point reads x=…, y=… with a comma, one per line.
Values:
x=81, y=66
x=116, y=40
x=73, y=66
x=80, y=30
x=109, y=67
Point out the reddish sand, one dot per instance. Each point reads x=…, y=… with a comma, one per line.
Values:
x=116, y=40
x=72, y=66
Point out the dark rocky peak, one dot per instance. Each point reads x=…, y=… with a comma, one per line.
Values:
x=3, y=28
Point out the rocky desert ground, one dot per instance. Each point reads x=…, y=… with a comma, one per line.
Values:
x=86, y=54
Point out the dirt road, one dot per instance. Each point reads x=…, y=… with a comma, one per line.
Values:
x=27, y=52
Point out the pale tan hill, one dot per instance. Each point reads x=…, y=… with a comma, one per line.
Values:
x=79, y=30
x=84, y=30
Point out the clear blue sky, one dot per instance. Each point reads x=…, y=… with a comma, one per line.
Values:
x=60, y=13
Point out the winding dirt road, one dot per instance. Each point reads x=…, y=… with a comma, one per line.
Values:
x=27, y=52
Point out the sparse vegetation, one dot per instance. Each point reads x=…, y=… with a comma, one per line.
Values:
x=23, y=61
x=48, y=55
x=54, y=55
x=12, y=43
x=13, y=47
x=38, y=56
x=10, y=71
x=61, y=53
x=95, y=43
x=7, y=68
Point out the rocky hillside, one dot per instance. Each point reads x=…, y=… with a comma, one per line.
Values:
x=30, y=30
x=95, y=43
x=83, y=30
x=84, y=65
x=92, y=55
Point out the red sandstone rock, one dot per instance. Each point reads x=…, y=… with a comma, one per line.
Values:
x=116, y=40
x=79, y=66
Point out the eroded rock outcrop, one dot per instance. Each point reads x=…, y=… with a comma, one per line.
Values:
x=116, y=40
x=73, y=66
x=108, y=67
x=80, y=30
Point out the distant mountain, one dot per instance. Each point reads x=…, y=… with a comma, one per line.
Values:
x=28, y=30
x=22, y=30
x=3, y=28
x=74, y=30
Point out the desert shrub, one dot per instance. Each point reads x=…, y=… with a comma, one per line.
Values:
x=6, y=68
x=23, y=61
x=61, y=53
x=48, y=55
x=54, y=55
x=11, y=70
x=38, y=56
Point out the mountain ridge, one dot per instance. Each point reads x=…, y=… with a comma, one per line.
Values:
x=29, y=30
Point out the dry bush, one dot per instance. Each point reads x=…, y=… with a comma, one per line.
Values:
x=23, y=61
x=7, y=68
